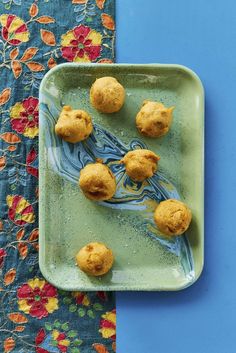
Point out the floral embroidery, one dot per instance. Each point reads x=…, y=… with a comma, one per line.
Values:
x=101, y=348
x=15, y=32
x=14, y=29
x=82, y=44
x=20, y=211
x=32, y=79
x=37, y=298
x=108, y=325
x=102, y=295
x=32, y=163
x=81, y=298
x=25, y=117
x=59, y=338
x=3, y=254
x=85, y=10
x=9, y=3
x=86, y=303
x=34, y=37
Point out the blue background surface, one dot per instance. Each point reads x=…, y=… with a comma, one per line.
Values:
x=202, y=35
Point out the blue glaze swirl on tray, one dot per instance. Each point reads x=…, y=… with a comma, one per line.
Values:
x=68, y=159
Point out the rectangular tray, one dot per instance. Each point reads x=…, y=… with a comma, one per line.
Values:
x=144, y=260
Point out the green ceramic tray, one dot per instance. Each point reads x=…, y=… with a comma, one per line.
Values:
x=144, y=260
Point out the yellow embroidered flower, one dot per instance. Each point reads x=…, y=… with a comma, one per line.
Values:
x=14, y=29
x=82, y=44
x=56, y=341
x=25, y=117
x=60, y=338
x=37, y=298
x=108, y=325
x=81, y=298
x=20, y=210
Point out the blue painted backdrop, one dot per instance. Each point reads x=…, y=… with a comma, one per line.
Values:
x=202, y=35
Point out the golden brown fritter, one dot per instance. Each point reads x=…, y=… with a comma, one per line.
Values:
x=154, y=119
x=140, y=164
x=73, y=125
x=172, y=217
x=95, y=259
x=107, y=95
x=97, y=182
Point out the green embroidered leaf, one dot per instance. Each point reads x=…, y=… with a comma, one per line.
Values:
x=26, y=88
x=75, y=350
x=57, y=324
x=67, y=300
x=65, y=326
x=81, y=312
x=71, y=333
x=48, y=326
x=62, y=292
x=91, y=314
x=97, y=306
x=77, y=342
x=72, y=308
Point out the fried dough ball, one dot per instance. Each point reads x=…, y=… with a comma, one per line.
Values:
x=107, y=95
x=140, y=164
x=95, y=259
x=97, y=182
x=172, y=217
x=73, y=125
x=154, y=119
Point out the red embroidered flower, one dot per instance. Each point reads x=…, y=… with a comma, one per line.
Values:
x=102, y=295
x=3, y=254
x=32, y=163
x=20, y=210
x=41, y=335
x=108, y=325
x=25, y=117
x=14, y=29
x=54, y=339
x=82, y=44
x=37, y=298
x=81, y=298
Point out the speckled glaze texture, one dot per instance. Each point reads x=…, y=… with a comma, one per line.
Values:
x=144, y=259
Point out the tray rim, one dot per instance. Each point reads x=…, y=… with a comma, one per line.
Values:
x=144, y=287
